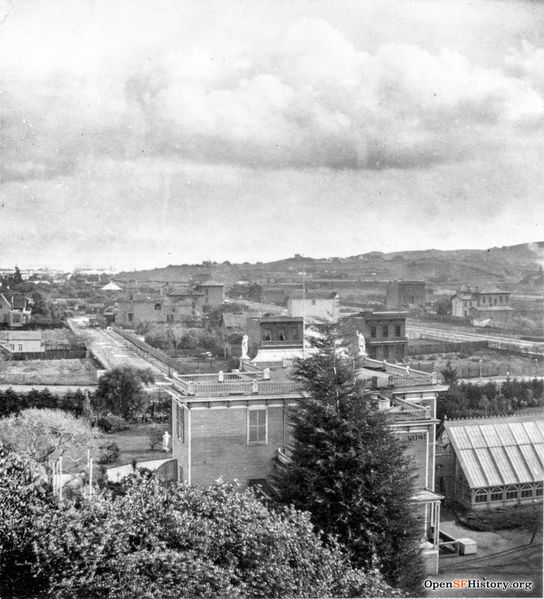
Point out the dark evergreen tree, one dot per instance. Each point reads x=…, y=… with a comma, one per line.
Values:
x=349, y=470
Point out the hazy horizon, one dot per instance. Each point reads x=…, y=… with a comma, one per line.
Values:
x=139, y=134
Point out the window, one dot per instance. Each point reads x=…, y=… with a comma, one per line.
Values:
x=256, y=427
x=538, y=490
x=130, y=316
x=158, y=307
x=397, y=330
x=12, y=347
x=526, y=490
x=313, y=302
x=481, y=496
x=385, y=331
x=496, y=494
x=386, y=352
x=511, y=492
x=20, y=347
x=373, y=332
x=180, y=424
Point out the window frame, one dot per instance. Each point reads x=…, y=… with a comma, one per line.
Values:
x=526, y=491
x=250, y=427
x=180, y=423
x=496, y=491
x=508, y=491
x=481, y=493
x=385, y=330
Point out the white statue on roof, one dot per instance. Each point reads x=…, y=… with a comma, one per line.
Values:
x=245, y=341
x=361, y=343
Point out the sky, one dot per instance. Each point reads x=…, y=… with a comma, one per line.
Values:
x=137, y=134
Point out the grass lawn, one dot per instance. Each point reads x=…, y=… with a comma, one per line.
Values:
x=134, y=444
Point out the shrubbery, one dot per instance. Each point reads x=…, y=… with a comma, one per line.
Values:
x=155, y=541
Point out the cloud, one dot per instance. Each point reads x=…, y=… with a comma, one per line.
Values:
x=311, y=99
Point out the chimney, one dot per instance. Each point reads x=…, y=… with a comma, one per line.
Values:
x=383, y=404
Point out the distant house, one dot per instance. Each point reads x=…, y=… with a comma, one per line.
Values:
x=112, y=287
x=465, y=299
x=405, y=295
x=314, y=305
x=18, y=342
x=140, y=309
x=384, y=333
x=213, y=294
x=492, y=462
x=232, y=323
x=15, y=309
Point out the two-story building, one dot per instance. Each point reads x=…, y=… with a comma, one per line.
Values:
x=235, y=425
x=384, y=333
x=404, y=295
x=139, y=309
x=15, y=309
x=466, y=299
x=314, y=306
x=212, y=295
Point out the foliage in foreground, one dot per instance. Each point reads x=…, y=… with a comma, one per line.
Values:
x=156, y=541
x=349, y=471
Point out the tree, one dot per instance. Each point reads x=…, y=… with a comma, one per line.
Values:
x=449, y=374
x=44, y=435
x=23, y=496
x=176, y=541
x=349, y=470
x=121, y=391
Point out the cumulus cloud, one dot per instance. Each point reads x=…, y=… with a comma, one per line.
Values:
x=312, y=99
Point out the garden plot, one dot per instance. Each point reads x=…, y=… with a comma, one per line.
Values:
x=48, y=372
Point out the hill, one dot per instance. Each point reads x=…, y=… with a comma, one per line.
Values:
x=505, y=267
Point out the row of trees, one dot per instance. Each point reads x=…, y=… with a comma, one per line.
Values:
x=465, y=399
x=157, y=541
x=11, y=402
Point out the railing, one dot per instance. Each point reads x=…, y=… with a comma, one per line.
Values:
x=407, y=411
x=409, y=381
x=240, y=387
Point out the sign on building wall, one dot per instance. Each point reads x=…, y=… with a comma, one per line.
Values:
x=416, y=448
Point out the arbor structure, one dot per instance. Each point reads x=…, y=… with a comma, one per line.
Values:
x=121, y=391
x=349, y=470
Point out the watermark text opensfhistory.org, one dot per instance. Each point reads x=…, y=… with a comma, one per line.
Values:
x=477, y=583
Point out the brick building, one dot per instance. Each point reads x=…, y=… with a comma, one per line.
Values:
x=384, y=333
x=139, y=309
x=235, y=425
x=405, y=295
x=212, y=295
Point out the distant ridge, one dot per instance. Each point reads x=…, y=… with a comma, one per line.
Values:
x=501, y=267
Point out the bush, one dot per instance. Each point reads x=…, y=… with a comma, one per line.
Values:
x=112, y=424
x=154, y=434
x=110, y=453
x=524, y=517
x=177, y=541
